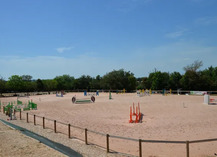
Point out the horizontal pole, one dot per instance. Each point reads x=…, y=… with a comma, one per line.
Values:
x=99, y=133
x=205, y=140
x=159, y=141
x=61, y=123
x=124, y=138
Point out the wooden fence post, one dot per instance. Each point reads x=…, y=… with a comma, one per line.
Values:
x=140, y=148
x=69, y=131
x=85, y=135
x=43, y=123
x=34, y=120
x=187, y=149
x=107, y=141
x=55, y=128
x=27, y=118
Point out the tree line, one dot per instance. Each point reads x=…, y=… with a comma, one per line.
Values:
x=192, y=79
x=115, y=80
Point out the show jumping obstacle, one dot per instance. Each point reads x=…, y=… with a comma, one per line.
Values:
x=143, y=92
x=209, y=101
x=59, y=95
x=110, y=95
x=137, y=114
x=84, y=100
x=91, y=93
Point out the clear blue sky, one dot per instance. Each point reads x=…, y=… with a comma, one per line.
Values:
x=48, y=38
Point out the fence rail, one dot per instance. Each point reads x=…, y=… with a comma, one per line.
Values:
x=107, y=136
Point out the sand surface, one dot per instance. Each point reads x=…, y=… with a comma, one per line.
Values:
x=172, y=117
x=14, y=143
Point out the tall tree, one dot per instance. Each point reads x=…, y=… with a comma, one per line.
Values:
x=95, y=83
x=2, y=85
x=65, y=82
x=50, y=85
x=158, y=80
x=191, y=79
x=27, y=84
x=174, y=80
x=40, y=85
x=119, y=79
x=15, y=83
x=84, y=82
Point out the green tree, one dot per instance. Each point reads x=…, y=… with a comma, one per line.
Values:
x=158, y=80
x=95, y=83
x=209, y=78
x=191, y=79
x=65, y=82
x=2, y=85
x=39, y=85
x=15, y=83
x=131, y=83
x=27, y=83
x=50, y=85
x=139, y=83
x=174, y=80
x=119, y=79
x=84, y=82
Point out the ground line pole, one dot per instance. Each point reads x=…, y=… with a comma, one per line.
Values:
x=27, y=118
x=69, y=131
x=187, y=149
x=34, y=120
x=140, y=148
x=107, y=141
x=85, y=135
x=55, y=128
x=43, y=124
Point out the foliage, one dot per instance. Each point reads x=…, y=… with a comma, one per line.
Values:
x=192, y=79
x=118, y=80
x=174, y=80
x=2, y=85
x=63, y=82
x=15, y=83
x=158, y=80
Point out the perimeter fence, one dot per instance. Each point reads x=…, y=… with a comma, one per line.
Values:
x=83, y=134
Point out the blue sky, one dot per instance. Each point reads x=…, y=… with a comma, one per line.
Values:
x=48, y=38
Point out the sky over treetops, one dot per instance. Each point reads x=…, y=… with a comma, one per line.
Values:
x=48, y=38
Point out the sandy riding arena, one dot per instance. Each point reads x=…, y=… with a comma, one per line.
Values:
x=164, y=118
